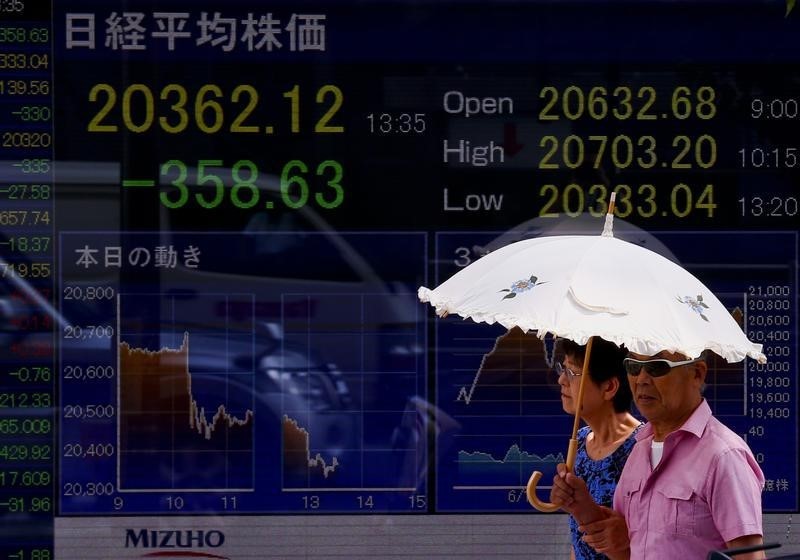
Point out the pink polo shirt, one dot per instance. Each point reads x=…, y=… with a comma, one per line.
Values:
x=705, y=491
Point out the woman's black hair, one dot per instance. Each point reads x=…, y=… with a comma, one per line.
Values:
x=604, y=363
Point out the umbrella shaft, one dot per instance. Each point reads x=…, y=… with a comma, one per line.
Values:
x=579, y=401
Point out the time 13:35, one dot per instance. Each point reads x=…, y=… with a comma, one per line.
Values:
x=397, y=123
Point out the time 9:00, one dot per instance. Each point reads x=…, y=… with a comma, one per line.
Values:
x=773, y=108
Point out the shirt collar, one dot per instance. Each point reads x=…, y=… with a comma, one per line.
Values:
x=695, y=424
x=645, y=432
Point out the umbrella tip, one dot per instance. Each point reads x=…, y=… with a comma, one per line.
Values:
x=608, y=227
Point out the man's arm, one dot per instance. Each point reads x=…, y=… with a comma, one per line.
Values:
x=748, y=540
x=608, y=535
x=735, y=500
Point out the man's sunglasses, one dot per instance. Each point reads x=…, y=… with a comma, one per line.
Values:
x=653, y=368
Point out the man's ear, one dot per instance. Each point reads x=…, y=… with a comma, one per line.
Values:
x=700, y=371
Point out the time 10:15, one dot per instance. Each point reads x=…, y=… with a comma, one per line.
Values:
x=397, y=123
x=764, y=157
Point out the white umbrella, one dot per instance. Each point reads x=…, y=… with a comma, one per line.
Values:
x=582, y=224
x=579, y=286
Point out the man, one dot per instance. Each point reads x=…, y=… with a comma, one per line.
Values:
x=690, y=485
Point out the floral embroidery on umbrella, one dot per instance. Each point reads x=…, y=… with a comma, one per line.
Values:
x=695, y=304
x=521, y=286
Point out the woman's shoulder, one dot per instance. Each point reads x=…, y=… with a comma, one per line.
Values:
x=583, y=433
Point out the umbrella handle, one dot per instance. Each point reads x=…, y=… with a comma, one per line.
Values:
x=533, y=500
x=572, y=450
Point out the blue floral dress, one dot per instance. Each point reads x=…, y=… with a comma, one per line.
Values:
x=601, y=478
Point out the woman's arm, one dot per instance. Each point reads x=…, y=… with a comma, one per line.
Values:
x=570, y=493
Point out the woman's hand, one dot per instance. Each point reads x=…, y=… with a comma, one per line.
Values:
x=570, y=493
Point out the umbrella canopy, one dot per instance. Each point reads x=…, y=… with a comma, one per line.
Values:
x=581, y=286
x=578, y=286
x=582, y=224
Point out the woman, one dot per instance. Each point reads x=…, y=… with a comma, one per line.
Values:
x=606, y=441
